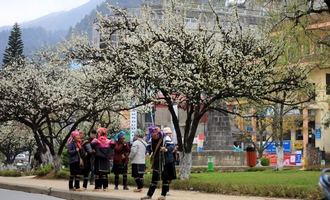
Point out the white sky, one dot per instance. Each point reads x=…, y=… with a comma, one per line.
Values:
x=12, y=11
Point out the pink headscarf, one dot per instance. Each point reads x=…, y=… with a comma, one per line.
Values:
x=102, y=140
x=73, y=134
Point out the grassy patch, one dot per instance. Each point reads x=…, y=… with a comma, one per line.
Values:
x=11, y=173
x=307, y=179
x=286, y=184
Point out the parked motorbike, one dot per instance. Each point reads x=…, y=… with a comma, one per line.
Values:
x=325, y=182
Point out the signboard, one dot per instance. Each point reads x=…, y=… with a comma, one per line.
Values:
x=272, y=159
x=249, y=128
x=322, y=163
x=201, y=136
x=298, y=158
x=200, y=146
x=286, y=146
x=298, y=144
x=133, y=123
x=292, y=159
x=318, y=133
x=288, y=159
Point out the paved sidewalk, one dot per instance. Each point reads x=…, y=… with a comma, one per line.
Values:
x=59, y=188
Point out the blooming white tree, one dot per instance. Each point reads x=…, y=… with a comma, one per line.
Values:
x=52, y=98
x=166, y=60
x=15, y=139
x=32, y=94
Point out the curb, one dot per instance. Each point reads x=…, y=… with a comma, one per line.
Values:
x=64, y=194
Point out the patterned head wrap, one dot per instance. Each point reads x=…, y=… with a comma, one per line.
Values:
x=72, y=136
x=101, y=131
x=139, y=133
x=121, y=134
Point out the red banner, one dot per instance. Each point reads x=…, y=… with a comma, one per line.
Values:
x=289, y=159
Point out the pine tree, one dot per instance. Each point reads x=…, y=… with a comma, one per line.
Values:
x=14, y=49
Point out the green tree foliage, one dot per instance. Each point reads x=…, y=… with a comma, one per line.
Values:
x=14, y=50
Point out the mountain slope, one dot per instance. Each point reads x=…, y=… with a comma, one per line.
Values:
x=33, y=39
x=85, y=26
x=53, y=28
x=47, y=30
x=64, y=19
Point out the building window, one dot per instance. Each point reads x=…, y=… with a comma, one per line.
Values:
x=315, y=92
x=327, y=81
x=150, y=117
x=299, y=135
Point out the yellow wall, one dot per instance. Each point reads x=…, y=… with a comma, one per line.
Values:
x=321, y=105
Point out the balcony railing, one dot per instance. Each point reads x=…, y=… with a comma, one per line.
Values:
x=204, y=7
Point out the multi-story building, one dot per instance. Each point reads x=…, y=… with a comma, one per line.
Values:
x=316, y=115
x=309, y=46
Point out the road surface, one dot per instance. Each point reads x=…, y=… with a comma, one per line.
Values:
x=16, y=195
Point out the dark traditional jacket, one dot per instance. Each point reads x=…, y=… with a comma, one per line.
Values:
x=87, y=155
x=73, y=153
x=156, y=153
x=102, y=155
x=170, y=146
x=121, y=153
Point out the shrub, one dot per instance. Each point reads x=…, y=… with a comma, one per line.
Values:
x=65, y=158
x=44, y=170
x=264, y=161
x=63, y=174
x=255, y=169
x=12, y=173
x=199, y=169
x=148, y=164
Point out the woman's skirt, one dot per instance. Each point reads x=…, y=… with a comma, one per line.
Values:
x=138, y=170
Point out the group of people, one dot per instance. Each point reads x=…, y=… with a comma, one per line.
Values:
x=95, y=157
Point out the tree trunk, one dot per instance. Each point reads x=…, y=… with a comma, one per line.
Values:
x=57, y=163
x=185, y=165
x=9, y=159
x=46, y=157
x=74, y=126
x=280, y=149
x=30, y=155
x=260, y=151
x=280, y=158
